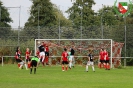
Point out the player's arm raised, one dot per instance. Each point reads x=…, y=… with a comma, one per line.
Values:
x=88, y=58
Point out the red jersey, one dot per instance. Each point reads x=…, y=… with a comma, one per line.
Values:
x=46, y=48
x=27, y=54
x=37, y=53
x=101, y=55
x=64, y=56
x=17, y=55
x=106, y=55
x=44, y=45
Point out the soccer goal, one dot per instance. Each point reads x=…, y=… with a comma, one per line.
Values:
x=81, y=47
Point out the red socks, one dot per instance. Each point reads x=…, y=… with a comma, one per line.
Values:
x=105, y=66
x=100, y=65
x=108, y=66
x=63, y=68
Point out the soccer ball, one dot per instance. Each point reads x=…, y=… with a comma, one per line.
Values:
x=38, y=42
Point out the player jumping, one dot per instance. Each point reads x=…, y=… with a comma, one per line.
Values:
x=41, y=53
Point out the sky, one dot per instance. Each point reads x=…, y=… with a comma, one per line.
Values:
x=23, y=6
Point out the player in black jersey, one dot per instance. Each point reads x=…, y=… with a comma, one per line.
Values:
x=42, y=53
x=72, y=55
x=90, y=60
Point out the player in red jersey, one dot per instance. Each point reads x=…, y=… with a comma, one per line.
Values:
x=106, y=58
x=27, y=56
x=19, y=59
x=64, y=59
x=46, y=53
x=37, y=53
x=101, y=58
x=17, y=56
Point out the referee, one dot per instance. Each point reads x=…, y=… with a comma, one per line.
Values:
x=34, y=63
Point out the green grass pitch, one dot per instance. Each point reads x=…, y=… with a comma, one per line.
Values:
x=53, y=77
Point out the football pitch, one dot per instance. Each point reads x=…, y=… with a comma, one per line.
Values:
x=53, y=77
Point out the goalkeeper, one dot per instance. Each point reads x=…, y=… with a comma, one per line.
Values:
x=34, y=63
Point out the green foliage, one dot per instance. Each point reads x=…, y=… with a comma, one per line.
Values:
x=5, y=18
x=108, y=16
x=130, y=61
x=120, y=67
x=43, y=12
x=61, y=20
x=81, y=13
x=10, y=48
x=4, y=21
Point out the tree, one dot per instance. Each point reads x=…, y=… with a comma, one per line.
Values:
x=4, y=16
x=4, y=21
x=108, y=16
x=61, y=19
x=41, y=14
x=45, y=19
x=81, y=13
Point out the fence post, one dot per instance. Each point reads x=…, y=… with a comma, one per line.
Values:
x=125, y=41
x=124, y=62
x=2, y=60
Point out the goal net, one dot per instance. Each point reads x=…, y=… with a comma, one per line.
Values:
x=81, y=47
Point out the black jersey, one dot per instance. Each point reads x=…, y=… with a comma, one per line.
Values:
x=91, y=57
x=41, y=48
x=72, y=51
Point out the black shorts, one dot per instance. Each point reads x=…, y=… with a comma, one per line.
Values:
x=46, y=53
x=106, y=61
x=41, y=60
x=102, y=61
x=28, y=60
x=18, y=60
x=64, y=62
x=33, y=63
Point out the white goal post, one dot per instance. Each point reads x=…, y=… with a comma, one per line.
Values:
x=80, y=44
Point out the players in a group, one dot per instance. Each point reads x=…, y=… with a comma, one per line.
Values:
x=90, y=60
x=64, y=60
x=106, y=59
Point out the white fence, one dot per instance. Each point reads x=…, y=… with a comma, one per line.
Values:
x=112, y=66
